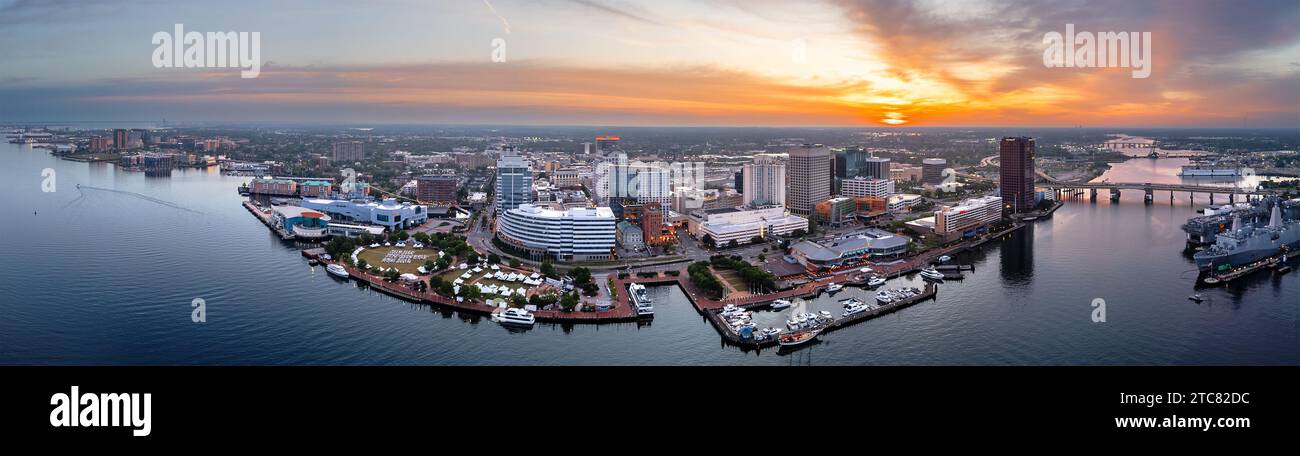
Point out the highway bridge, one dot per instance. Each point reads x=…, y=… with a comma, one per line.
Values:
x=1066, y=189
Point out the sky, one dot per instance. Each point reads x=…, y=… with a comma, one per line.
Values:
x=657, y=63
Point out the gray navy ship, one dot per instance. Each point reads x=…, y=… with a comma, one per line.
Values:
x=1246, y=243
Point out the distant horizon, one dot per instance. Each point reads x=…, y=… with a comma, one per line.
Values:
x=671, y=63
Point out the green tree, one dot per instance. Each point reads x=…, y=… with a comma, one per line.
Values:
x=514, y=263
x=569, y=301
x=494, y=258
x=756, y=240
x=548, y=269
x=363, y=265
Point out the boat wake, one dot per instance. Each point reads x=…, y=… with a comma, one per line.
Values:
x=137, y=195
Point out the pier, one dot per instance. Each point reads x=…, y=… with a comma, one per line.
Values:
x=267, y=220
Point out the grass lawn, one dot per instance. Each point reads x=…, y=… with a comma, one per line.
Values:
x=375, y=257
x=733, y=278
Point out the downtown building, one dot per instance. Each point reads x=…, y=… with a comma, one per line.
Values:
x=743, y=224
x=347, y=151
x=437, y=189
x=808, y=177
x=967, y=218
x=514, y=182
x=763, y=182
x=932, y=171
x=1016, y=179
x=387, y=213
x=866, y=186
x=579, y=234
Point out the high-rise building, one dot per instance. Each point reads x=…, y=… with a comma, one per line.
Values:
x=99, y=144
x=865, y=186
x=849, y=162
x=654, y=186
x=514, y=182
x=739, y=186
x=875, y=168
x=932, y=171
x=763, y=182
x=348, y=151
x=1017, y=173
x=119, y=139
x=808, y=177
x=436, y=189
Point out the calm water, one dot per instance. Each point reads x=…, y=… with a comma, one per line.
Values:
x=97, y=277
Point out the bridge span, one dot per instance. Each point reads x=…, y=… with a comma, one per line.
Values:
x=1064, y=188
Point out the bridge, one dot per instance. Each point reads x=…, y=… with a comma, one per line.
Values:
x=1064, y=188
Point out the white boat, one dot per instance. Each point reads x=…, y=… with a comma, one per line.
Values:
x=514, y=316
x=780, y=304
x=338, y=270
x=884, y=297
x=865, y=270
x=945, y=259
x=854, y=309
x=932, y=274
x=824, y=315
x=834, y=287
x=876, y=281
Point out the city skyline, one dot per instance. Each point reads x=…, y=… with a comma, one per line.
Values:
x=589, y=62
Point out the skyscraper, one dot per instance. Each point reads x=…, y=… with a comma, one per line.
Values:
x=807, y=177
x=514, y=182
x=763, y=182
x=1016, y=178
x=436, y=189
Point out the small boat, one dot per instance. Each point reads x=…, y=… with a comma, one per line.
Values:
x=797, y=337
x=1031, y=218
x=313, y=262
x=932, y=274
x=834, y=287
x=824, y=315
x=1283, y=269
x=876, y=281
x=945, y=259
x=338, y=270
x=514, y=316
x=854, y=309
x=865, y=270
x=1196, y=297
x=780, y=304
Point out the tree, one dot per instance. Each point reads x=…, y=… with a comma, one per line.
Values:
x=581, y=275
x=732, y=244
x=518, y=300
x=798, y=232
x=569, y=301
x=447, y=289
x=472, y=258
x=548, y=269
x=708, y=240
x=430, y=266
x=363, y=265
x=756, y=240
x=494, y=258
x=762, y=257
x=514, y=263
x=422, y=237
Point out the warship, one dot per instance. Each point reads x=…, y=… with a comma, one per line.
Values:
x=1202, y=230
x=1246, y=243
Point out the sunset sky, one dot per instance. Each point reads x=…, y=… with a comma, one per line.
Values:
x=615, y=62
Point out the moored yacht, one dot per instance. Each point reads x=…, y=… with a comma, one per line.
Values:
x=834, y=287
x=641, y=299
x=514, y=316
x=338, y=270
x=876, y=281
x=780, y=304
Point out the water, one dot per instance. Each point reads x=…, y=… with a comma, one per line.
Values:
x=97, y=277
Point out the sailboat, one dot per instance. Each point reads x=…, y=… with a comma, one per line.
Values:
x=802, y=332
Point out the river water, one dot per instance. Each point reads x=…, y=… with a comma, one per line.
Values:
x=107, y=277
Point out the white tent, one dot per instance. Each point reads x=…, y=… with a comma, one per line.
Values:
x=534, y=276
x=496, y=268
x=458, y=282
x=455, y=289
x=421, y=270
x=464, y=266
